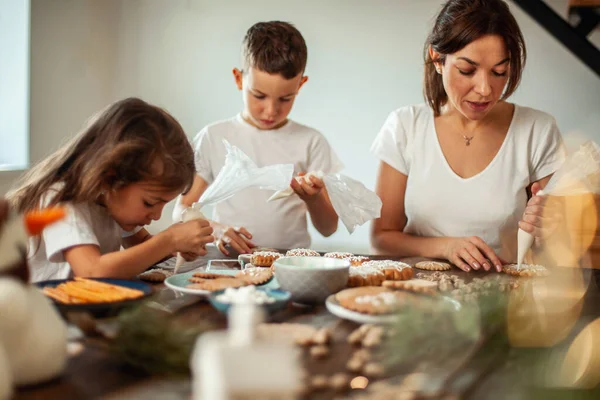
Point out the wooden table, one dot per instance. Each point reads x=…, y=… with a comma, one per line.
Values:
x=94, y=373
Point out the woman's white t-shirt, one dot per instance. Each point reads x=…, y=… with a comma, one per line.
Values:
x=282, y=223
x=439, y=203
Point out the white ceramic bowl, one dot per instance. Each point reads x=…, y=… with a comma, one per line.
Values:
x=311, y=280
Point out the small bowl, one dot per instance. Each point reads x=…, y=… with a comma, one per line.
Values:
x=281, y=299
x=311, y=280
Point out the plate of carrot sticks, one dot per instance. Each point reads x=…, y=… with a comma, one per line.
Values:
x=98, y=296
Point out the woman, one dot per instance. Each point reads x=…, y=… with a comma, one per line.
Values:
x=455, y=172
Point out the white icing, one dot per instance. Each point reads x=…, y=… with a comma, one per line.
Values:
x=245, y=295
x=384, y=298
x=339, y=254
x=302, y=253
x=386, y=264
x=364, y=271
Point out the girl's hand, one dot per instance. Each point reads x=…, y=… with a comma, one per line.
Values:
x=307, y=187
x=541, y=217
x=472, y=252
x=190, y=238
x=237, y=238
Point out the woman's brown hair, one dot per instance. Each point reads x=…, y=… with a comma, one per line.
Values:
x=461, y=22
x=130, y=141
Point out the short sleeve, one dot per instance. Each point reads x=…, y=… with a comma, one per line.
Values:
x=202, y=153
x=73, y=230
x=391, y=143
x=322, y=157
x=548, y=150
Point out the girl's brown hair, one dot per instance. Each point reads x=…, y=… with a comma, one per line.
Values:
x=461, y=22
x=130, y=141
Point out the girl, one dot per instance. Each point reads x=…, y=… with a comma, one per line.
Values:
x=113, y=178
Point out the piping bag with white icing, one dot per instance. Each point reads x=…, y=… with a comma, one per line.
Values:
x=239, y=172
x=572, y=178
x=352, y=201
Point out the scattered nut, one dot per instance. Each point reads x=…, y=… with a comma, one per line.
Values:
x=373, y=337
x=319, y=382
x=322, y=336
x=354, y=364
x=339, y=381
x=374, y=369
x=319, y=351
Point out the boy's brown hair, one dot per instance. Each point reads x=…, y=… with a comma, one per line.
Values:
x=275, y=47
x=130, y=141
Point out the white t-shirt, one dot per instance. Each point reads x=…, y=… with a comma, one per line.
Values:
x=84, y=223
x=490, y=204
x=281, y=223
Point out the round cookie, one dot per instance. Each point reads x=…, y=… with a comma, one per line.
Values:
x=433, y=266
x=264, y=258
x=212, y=285
x=155, y=275
x=365, y=276
x=302, y=253
x=393, y=270
x=358, y=260
x=371, y=300
x=338, y=254
x=255, y=275
x=526, y=270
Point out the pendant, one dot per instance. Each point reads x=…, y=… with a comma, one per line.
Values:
x=468, y=140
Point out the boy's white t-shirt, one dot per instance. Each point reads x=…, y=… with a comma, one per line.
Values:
x=282, y=223
x=84, y=224
x=439, y=203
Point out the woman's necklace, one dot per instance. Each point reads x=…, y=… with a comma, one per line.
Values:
x=467, y=139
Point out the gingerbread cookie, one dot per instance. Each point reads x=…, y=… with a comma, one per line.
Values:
x=208, y=275
x=413, y=285
x=212, y=285
x=155, y=275
x=358, y=260
x=255, y=275
x=433, y=266
x=365, y=276
x=302, y=253
x=264, y=258
x=371, y=300
x=526, y=270
x=393, y=270
x=338, y=254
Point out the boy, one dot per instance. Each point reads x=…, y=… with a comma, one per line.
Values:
x=274, y=57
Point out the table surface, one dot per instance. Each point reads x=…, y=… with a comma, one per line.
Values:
x=96, y=373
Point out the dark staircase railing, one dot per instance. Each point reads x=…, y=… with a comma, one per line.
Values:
x=574, y=38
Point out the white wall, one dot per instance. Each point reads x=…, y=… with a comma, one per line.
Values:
x=14, y=84
x=73, y=48
x=364, y=61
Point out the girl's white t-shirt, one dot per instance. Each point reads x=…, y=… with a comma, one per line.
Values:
x=84, y=224
x=439, y=203
x=282, y=223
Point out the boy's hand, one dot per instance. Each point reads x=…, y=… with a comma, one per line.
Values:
x=307, y=187
x=237, y=238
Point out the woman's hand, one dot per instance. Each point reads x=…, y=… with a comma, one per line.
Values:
x=541, y=217
x=237, y=238
x=307, y=186
x=472, y=252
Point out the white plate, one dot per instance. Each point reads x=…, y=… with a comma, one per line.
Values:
x=180, y=281
x=336, y=309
